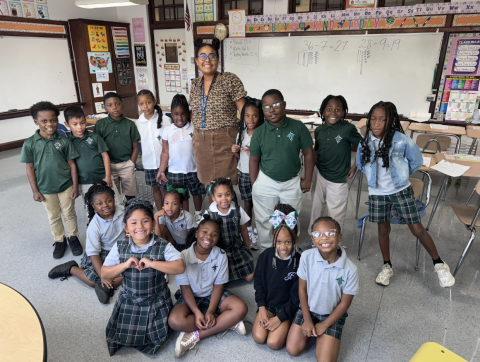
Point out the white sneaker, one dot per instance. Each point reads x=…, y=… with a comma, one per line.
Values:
x=383, y=278
x=445, y=278
x=253, y=240
x=239, y=328
x=197, y=218
x=185, y=341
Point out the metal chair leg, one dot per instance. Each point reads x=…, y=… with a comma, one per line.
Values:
x=418, y=254
x=362, y=233
x=353, y=179
x=359, y=193
x=472, y=146
x=471, y=195
x=472, y=237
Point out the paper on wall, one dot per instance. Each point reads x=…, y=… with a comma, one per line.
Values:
x=102, y=76
x=450, y=169
x=97, y=90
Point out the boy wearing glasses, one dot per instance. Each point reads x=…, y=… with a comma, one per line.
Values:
x=275, y=163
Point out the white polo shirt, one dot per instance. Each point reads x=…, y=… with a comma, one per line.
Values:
x=179, y=227
x=180, y=148
x=244, y=161
x=203, y=275
x=244, y=218
x=102, y=234
x=151, y=139
x=327, y=282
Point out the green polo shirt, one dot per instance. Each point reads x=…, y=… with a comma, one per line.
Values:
x=50, y=161
x=334, y=147
x=119, y=137
x=279, y=148
x=90, y=163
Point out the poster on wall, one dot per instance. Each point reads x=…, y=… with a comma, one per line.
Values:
x=138, y=30
x=29, y=11
x=16, y=9
x=97, y=36
x=360, y=4
x=4, y=8
x=464, y=57
x=42, y=11
x=120, y=42
x=124, y=72
x=140, y=55
x=41, y=1
x=236, y=23
x=142, y=78
x=173, y=78
x=459, y=97
x=97, y=90
x=99, y=61
x=203, y=10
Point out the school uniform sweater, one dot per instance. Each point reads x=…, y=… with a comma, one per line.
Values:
x=277, y=286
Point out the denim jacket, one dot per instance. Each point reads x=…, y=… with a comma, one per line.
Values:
x=405, y=159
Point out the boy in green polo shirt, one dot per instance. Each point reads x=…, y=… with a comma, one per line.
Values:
x=275, y=163
x=93, y=162
x=52, y=174
x=334, y=140
x=121, y=136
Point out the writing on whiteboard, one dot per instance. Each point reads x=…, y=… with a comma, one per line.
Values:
x=242, y=51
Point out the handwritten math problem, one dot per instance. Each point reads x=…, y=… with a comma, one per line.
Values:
x=383, y=44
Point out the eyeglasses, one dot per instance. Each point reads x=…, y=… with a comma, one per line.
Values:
x=318, y=234
x=274, y=106
x=209, y=56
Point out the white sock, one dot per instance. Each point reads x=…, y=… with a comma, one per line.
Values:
x=198, y=212
x=255, y=231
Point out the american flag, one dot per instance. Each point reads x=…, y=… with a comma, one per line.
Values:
x=187, y=18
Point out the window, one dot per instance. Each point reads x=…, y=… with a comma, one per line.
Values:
x=252, y=7
x=305, y=6
x=167, y=10
x=388, y=3
x=171, y=55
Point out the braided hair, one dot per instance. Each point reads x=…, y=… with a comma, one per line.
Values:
x=330, y=97
x=98, y=187
x=190, y=239
x=146, y=92
x=249, y=102
x=199, y=44
x=179, y=100
x=392, y=125
x=286, y=209
x=173, y=190
x=328, y=219
x=137, y=204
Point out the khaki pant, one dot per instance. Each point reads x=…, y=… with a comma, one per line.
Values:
x=266, y=193
x=328, y=194
x=58, y=205
x=124, y=179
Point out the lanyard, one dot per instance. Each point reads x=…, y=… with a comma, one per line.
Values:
x=204, y=99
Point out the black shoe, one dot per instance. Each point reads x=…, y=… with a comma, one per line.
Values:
x=62, y=270
x=60, y=248
x=103, y=293
x=75, y=246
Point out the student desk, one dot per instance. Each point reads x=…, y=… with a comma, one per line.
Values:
x=22, y=337
x=473, y=131
x=473, y=171
x=363, y=122
x=454, y=131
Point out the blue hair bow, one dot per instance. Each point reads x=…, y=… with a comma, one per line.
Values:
x=277, y=217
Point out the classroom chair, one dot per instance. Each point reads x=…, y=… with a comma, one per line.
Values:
x=418, y=190
x=433, y=143
x=468, y=216
x=433, y=352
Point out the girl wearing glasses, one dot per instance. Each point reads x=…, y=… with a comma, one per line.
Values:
x=323, y=310
x=215, y=99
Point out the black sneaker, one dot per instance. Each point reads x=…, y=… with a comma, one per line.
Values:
x=103, y=293
x=75, y=246
x=60, y=248
x=62, y=270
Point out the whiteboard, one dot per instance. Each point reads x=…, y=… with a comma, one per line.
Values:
x=363, y=68
x=34, y=69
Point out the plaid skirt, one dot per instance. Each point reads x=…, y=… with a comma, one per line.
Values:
x=401, y=204
x=143, y=325
x=88, y=269
x=203, y=302
x=240, y=262
x=245, y=186
x=334, y=330
x=190, y=180
x=151, y=178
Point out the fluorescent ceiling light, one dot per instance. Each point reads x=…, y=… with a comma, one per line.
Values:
x=93, y=4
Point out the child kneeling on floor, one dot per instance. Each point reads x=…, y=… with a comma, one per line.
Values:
x=328, y=281
x=201, y=293
x=276, y=281
x=105, y=228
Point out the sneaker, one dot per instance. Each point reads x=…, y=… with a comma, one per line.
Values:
x=197, y=218
x=185, y=341
x=253, y=240
x=445, y=278
x=60, y=247
x=103, y=293
x=385, y=274
x=62, y=270
x=75, y=246
x=239, y=328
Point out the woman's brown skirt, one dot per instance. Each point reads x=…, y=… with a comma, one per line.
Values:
x=213, y=154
